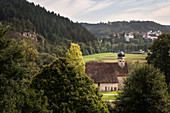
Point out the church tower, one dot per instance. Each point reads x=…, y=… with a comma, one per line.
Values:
x=121, y=59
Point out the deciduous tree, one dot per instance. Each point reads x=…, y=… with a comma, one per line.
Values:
x=68, y=90
x=15, y=94
x=159, y=55
x=75, y=56
x=145, y=91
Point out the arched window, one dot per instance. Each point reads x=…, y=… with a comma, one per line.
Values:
x=115, y=89
x=111, y=88
x=105, y=88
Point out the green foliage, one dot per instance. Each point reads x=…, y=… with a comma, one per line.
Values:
x=159, y=54
x=44, y=59
x=75, y=56
x=15, y=94
x=145, y=91
x=25, y=16
x=110, y=106
x=116, y=44
x=3, y=30
x=67, y=89
x=105, y=29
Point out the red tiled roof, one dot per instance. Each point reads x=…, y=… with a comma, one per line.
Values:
x=105, y=72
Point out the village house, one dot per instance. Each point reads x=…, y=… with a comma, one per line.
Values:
x=30, y=35
x=152, y=35
x=108, y=76
x=128, y=36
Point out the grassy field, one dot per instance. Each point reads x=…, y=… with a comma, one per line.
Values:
x=109, y=92
x=109, y=97
x=95, y=56
x=112, y=57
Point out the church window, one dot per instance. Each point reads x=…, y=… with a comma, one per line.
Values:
x=111, y=88
x=105, y=88
x=115, y=88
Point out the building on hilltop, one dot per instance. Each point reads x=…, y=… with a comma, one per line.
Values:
x=108, y=76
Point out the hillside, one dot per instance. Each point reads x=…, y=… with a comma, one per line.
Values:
x=26, y=16
x=53, y=32
x=104, y=29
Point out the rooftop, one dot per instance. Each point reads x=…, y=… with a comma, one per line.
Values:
x=105, y=72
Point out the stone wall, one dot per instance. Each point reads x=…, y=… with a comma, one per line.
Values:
x=120, y=84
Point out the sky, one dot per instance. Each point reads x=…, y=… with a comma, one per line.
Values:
x=95, y=11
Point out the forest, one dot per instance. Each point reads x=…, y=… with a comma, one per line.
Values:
x=42, y=68
x=54, y=33
x=104, y=29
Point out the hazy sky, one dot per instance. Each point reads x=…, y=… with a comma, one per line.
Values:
x=95, y=11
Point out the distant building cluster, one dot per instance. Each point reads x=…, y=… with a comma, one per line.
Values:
x=30, y=35
x=152, y=34
x=149, y=35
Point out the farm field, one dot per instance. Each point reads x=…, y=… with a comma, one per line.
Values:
x=112, y=57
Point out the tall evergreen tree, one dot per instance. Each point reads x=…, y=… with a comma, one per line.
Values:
x=145, y=91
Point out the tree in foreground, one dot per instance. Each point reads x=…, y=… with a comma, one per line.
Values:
x=145, y=91
x=68, y=90
x=159, y=55
x=15, y=94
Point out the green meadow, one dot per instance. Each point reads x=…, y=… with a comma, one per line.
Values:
x=112, y=57
x=109, y=97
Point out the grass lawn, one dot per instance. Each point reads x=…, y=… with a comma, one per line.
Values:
x=109, y=92
x=112, y=57
x=109, y=97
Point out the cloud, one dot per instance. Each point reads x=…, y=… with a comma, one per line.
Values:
x=72, y=8
x=112, y=10
x=135, y=9
x=160, y=15
x=101, y=5
x=126, y=2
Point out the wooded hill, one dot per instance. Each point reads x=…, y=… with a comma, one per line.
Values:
x=104, y=29
x=52, y=32
x=26, y=16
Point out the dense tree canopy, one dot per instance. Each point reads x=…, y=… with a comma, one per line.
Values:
x=159, y=54
x=15, y=74
x=145, y=91
x=67, y=89
x=25, y=16
x=104, y=29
